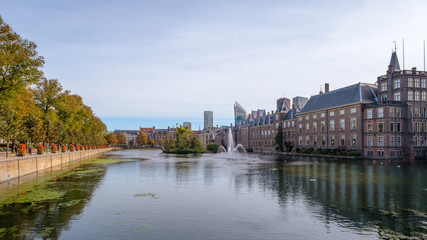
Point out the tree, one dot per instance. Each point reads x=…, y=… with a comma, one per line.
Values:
x=152, y=142
x=212, y=147
x=279, y=139
x=47, y=93
x=196, y=145
x=131, y=142
x=141, y=138
x=121, y=138
x=111, y=138
x=19, y=61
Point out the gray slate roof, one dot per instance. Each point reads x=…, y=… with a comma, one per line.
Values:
x=290, y=115
x=360, y=92
x=394, y=62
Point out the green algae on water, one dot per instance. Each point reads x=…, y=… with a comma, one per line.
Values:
x=107, y=161
x=36, y=195
x=146, y=195
x=9, y=233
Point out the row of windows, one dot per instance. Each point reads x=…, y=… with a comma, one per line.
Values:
x=392, y=142
x=380, y=112
x=331, y=114
x=420, y=141
x=380, y=153
x=262, y=134
x=411, y=83
x=342, y=125
x=323, y=140
x=261, y=143
x=393, y=127
x=419, y=127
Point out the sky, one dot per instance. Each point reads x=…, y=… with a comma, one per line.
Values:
x=158, y=63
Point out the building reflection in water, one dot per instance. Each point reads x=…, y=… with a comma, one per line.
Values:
x=356, y=194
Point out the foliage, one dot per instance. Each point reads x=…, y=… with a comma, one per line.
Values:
x=212, y=147
x=111, y=138
x=22, y=150
x=40, y=149
x=121, y=138
x=63, y=148
x=278, y=140
x=182, y=144
x=72, y=148
x=152, y=142
x=141, y=138
x=54, y=148
x=131, y=142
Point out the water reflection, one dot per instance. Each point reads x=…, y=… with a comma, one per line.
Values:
x=359, y=195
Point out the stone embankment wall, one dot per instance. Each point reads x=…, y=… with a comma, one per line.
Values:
x=21, y=166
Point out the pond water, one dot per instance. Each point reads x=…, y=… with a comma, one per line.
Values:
x=145, y=194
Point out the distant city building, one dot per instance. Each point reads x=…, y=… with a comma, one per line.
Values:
x=130, y=135
x=239, y=114
x=187, y=124
x=300, y=102
x=208, y=119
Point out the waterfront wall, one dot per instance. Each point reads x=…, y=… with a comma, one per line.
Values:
x=21, y=166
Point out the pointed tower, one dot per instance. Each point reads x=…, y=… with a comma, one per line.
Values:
x=394, y=62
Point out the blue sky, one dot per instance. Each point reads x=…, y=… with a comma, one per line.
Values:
x=145, y=63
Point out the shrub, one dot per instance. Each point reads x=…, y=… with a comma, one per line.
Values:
x=22, y=149
x=54, y=148
x=212, y=147
x=40, y=149
x=77, y=147
x=72, y=148
x=63, y=148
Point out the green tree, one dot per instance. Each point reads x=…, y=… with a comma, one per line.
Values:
x=141, y=138
x=182, y=140
x=19, y=61
x=121, y=138
x=196, y=145
x=111, y=138
x=212, y=147
x=279, y=139
x=131, y=142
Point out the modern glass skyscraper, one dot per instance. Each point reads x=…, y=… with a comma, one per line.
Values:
x=239, y=114
x=208, y=119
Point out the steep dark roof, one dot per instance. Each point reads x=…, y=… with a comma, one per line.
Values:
x=290, y=115
x=394, y=62
x=360, y=92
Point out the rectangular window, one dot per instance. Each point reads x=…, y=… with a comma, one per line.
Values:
x=398, y=112
x=423, y=83
x=369, y=141
x=398, y=127
x=380, y=112
x=353, y=140
x=391, y=111
x=342, y=124
x=342, y=140
x=341, y=112
x=410, y=98
x=369, y=114
x=416, y=112
x=332, y=125
x=392, y=127
x=300, y=119
x=397, y=83
x=423, y=96
x=331, y=114
x=417, y=96
x=332, y=140
x=322, y=115
x=322, y=125
x=353, y=123
x=417, y=82
x=293, y=124
x=410, y=82
x=299, y=127
x=315, y=116
x=396, y=96
x=397, y=141
x=307, y=140
x=314, y=140
x=307, y=117
x=352, y=110
x=299, y=140
x=307, y=127
x=315, y=127
x=323, y=140
x=384, y=86
x=380, y=141
x=380, y=127
x=391, y=143
x=369, y=127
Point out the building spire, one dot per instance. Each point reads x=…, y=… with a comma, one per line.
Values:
x=394, y=61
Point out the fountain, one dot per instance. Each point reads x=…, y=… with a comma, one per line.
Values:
x=231, y=150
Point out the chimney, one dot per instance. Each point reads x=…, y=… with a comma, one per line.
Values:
x=326, y=87
x=390, y=69
x=414, y=70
